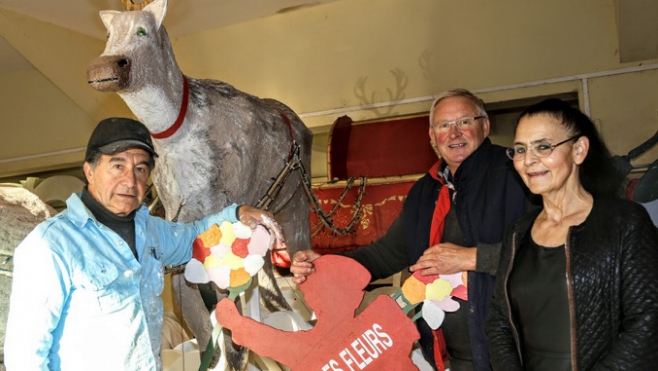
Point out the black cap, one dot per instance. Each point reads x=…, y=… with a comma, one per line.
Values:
x=117, y=134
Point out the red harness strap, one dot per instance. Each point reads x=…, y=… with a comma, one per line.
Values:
x=292, y=137
x=181, y=114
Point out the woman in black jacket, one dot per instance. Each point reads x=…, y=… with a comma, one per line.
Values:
x=577, y=286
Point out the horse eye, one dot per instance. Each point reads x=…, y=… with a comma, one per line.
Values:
x=107, y=36
x=141, y=32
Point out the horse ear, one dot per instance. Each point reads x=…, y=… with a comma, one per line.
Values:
x=107, y=16
x=159, y=9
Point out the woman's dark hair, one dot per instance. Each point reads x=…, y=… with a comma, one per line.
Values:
x=597, y=173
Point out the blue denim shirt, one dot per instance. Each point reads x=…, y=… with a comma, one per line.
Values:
x=81, y=301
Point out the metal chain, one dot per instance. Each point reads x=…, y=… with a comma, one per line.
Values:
x=319, y=227
x=295, y=164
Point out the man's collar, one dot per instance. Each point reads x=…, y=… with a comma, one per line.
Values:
x=77, y=211
x=100, y=211
x=79, y=214
x=475, y=160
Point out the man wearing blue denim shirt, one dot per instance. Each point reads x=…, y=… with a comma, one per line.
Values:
x=87, y=282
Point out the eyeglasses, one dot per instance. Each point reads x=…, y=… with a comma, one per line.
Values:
x=539, y=150
x=461, y=124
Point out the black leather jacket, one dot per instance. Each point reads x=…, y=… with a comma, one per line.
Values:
x=612, y=270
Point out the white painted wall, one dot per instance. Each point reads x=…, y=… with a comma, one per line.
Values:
x=316, y=60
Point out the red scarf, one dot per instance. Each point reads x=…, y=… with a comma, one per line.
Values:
x=441, y=210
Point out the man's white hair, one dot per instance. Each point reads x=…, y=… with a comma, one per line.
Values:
x=477, y=102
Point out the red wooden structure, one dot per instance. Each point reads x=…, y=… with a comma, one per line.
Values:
x=392, y=154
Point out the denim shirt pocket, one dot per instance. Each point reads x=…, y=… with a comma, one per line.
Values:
x=98, y=279
x=96, y=275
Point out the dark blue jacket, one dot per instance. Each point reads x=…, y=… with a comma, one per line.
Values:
x=490, y=197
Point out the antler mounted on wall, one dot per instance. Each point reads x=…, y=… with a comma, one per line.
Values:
x=401, y=82
x=130, y=5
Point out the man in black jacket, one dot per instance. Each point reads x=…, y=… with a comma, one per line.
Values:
x=453, y=220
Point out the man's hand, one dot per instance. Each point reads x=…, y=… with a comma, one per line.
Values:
x=446, y=258
x=252, y=216
x=302, y=265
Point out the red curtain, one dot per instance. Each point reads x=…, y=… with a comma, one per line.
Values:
x=381, y=205
x=380, y=149
x=390, y=148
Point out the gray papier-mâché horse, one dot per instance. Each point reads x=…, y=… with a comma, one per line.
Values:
x=217, y=145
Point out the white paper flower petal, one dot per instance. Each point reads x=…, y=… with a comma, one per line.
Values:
x=241, y=230
x=260, y=241
x=221, y=276
x=253, y=263
x=448, y=304
x=220, y=250
x=195, y=272
x=455, y=279
x=432, y=314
